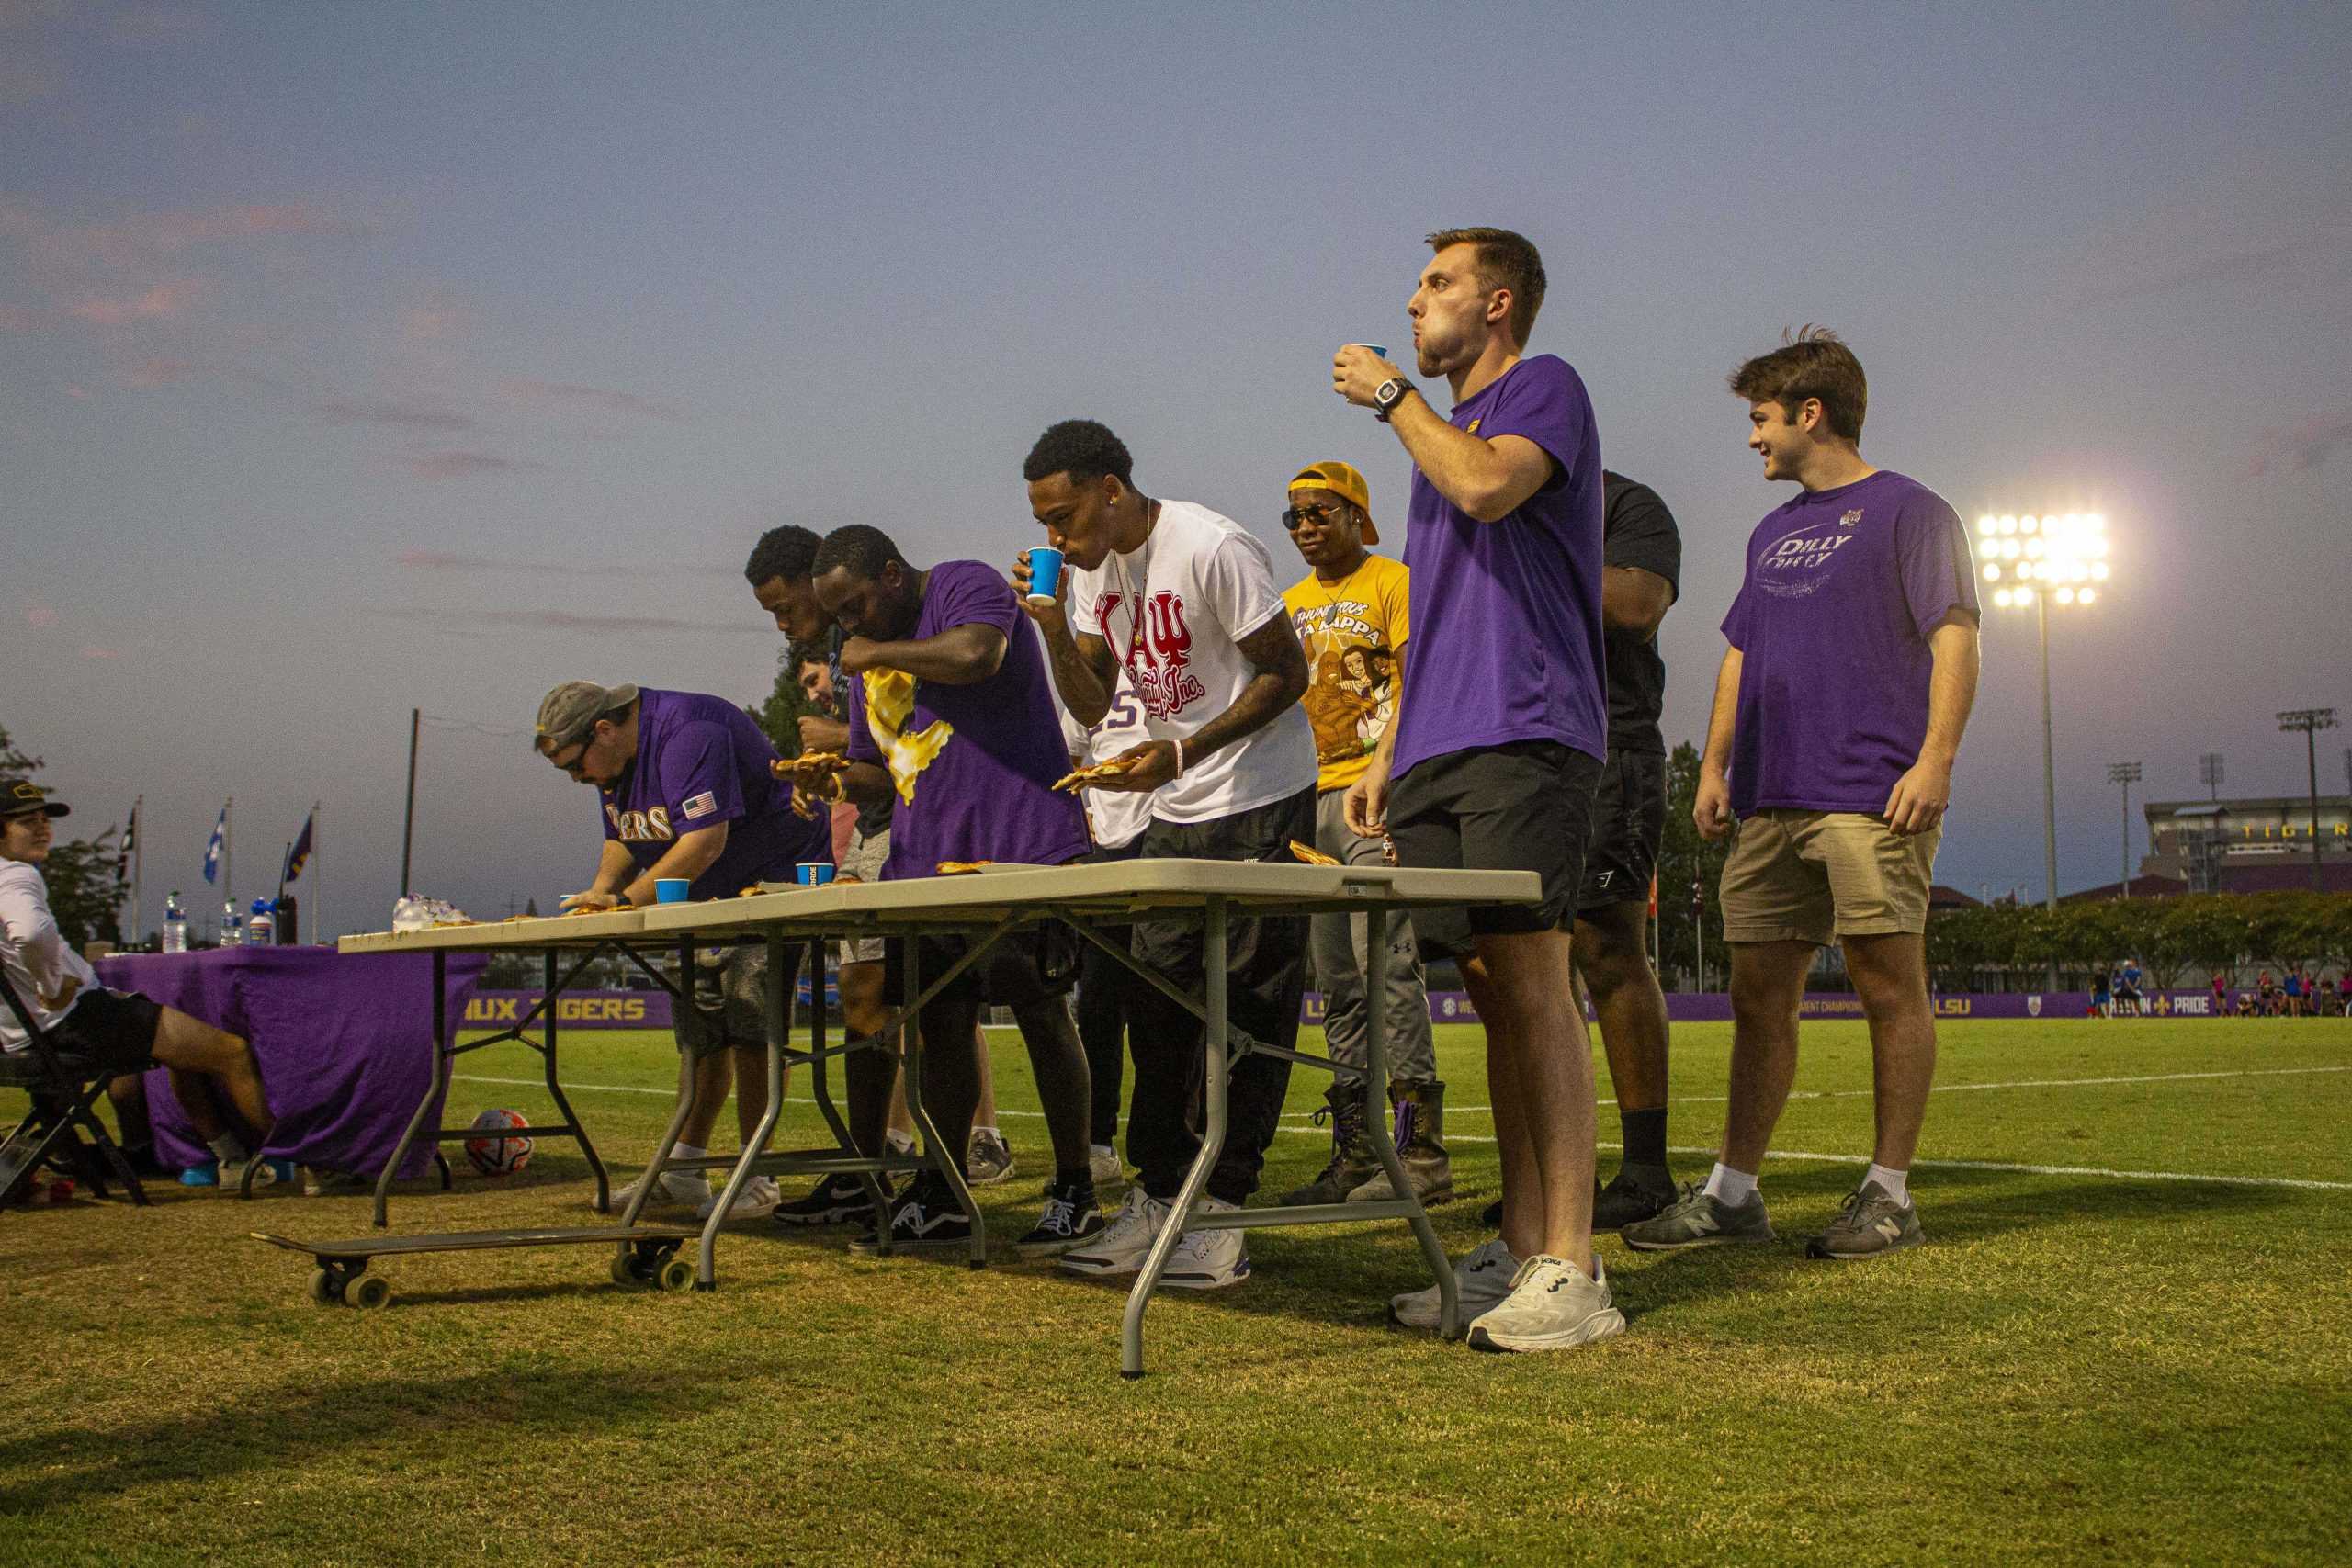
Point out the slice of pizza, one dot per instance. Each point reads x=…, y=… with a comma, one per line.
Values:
x=1111, y=768
x=809, y=762
x=1310, y=854
x=961, y=867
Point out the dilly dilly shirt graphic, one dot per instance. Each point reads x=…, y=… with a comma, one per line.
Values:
x=890, y=703
x=1798, y=562
x=1161, y=648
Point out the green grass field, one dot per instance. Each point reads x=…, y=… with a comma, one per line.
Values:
x=2130, y=1340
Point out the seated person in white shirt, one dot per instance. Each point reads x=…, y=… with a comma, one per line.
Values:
x=211, y=1070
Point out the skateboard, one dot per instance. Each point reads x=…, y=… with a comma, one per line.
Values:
x=647, y=1255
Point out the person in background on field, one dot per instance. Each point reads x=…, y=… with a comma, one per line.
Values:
x=2221, y=994
x=213, y=1073
x=2127, y=994
x=1352, y=614
x=688, y=791
x=1837, y=719
x=1497, y=748
x=2101, y=1002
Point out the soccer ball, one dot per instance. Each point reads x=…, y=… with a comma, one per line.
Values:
x=499, y=1156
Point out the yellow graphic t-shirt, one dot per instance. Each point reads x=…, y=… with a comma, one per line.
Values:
x=1354, y=636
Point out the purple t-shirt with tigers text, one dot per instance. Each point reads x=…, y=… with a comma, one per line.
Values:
x=701, y=761
x=1843, y=587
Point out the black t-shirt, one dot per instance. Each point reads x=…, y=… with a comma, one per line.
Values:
x=1638, y=531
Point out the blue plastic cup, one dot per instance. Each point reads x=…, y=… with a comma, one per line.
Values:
x=1379, y=348
x=813, y=873
x=671, y=889
x=1044, y=574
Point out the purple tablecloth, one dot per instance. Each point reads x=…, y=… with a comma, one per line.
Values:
x=345, y=1043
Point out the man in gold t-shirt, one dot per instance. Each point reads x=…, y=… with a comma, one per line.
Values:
x=1352, y=621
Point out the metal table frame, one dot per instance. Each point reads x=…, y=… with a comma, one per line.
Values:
x=984, y=909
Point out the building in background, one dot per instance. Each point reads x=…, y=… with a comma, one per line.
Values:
x=2254, y=845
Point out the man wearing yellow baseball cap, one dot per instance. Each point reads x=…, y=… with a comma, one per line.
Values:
x=1351, y=614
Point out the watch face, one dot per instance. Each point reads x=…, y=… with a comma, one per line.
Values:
x=1389, y=393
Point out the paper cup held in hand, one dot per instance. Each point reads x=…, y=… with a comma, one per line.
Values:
x=1044, y=574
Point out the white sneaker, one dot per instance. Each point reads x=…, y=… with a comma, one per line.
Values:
x=1103, y=1165
x=677, y=1187
x=1552, y=1306
x=1207, y=1260
x=1120, y=1249
x=1480, y=1280
x=759, y=1197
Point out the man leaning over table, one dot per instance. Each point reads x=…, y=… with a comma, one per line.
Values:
x=688, y=791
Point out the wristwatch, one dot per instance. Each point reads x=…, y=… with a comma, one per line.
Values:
x=1388, y=395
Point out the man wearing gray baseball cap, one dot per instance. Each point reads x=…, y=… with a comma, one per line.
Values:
x=688, y=790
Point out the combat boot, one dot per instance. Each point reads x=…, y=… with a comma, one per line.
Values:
x=1420, y=1143
x=1352, y=1155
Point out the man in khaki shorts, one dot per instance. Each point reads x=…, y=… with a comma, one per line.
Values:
x=1837, y=717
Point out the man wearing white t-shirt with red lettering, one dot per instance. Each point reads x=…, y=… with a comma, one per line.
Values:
x=1185, y=602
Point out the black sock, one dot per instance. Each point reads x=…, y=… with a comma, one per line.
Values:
x=1080, y=1176
x=1645, y=1135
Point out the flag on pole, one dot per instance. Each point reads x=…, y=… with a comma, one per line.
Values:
x=129, y=837
x=298, y=855
x=212, y=850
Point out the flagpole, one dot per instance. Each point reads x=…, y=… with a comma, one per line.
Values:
x=229, y=852
x=138, y=856
x=319, y=881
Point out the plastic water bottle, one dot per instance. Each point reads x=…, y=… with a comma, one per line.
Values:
x=262, y=930
x=174, y=924
x=232, y=927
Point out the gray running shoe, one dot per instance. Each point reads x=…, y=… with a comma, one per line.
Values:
x=1696, y=1220
x=1868, y=1224
x=987, y=1158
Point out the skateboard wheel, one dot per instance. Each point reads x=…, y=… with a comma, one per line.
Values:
x=676, y=1274
x=325, y=1289
x=367, y=1292
x=624, y=1271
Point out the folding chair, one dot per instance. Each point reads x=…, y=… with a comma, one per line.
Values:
x=61, y=1129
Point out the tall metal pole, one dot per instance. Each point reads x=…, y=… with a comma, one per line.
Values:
x=408, y=815
x=2049, y=771
x=138, y=869
x=319, y=874
x=229, y=852
x=2127, y=774
x=2311, y=721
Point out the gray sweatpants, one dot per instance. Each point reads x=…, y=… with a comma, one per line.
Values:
x=1337, y=945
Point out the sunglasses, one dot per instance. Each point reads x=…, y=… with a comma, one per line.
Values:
x=1297, y=517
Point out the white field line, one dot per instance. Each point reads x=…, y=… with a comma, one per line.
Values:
x=1963, y=1088
x=2101, y=1171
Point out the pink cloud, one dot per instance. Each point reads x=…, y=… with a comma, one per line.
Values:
x=433, y=322
x=163, y=299
x=77, y=391
x=458, y=465
x=17, y=319
x=569, y=394
x=400, y=413
x=2306, y=446
x=449, y=560
x=149, y=374
x=92, y=650
x=40, y=616
x=140, y=239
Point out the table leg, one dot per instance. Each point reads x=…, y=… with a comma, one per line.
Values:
x=555, y=1091
x=776, y=1013
x=1213, y=1093
x=1384, y=1143
x=434, y=1091
x=660, y=1163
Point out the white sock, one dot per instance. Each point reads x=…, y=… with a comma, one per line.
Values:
x=1101, y=1149
x=228, y=1149
x=688, y=1151
x=990, y=1128
x=1733, y=1186
x=900, y=1142
x=1897, y=1183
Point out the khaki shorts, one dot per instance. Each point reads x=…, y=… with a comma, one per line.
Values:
x=862, y=862
x=1817, y=876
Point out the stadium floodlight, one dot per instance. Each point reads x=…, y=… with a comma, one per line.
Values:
x=2311, y=721
x=2127, y=774
x=2057, y=556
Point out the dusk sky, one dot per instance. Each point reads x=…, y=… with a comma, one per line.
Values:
x=360, y=359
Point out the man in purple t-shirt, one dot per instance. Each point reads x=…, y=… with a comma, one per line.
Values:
x=951, y=716
x=1497, y=748
x=687, y=791
x=1837, y=717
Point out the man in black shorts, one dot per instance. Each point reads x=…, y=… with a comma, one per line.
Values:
x=118, y=1030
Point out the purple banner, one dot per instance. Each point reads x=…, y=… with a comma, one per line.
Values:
x=575, y=1010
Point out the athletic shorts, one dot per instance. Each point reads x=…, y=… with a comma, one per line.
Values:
x=110, y=1029
x=1817, y=876
x=862, y=862
x=728, y=1005
x=1523, y=807
x=1021, y=968
x=1628, y=825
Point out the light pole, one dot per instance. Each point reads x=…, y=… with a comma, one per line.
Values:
x=2032, y=560
x=2311, y=721
x=2209, y=773
x=2127, y=774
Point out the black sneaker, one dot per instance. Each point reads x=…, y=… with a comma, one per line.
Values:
x=928, y=1215
x=836, y=1200
x=1637, y=1192
x=1491, y=1216
x=1070, y=1219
